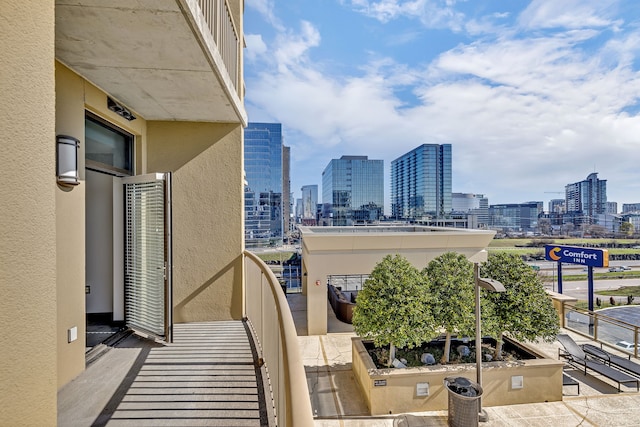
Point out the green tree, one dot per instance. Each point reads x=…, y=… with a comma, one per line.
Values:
x=450, y=280
x=627, y=228
x=524, y=310
x=394, y=307
x=544, y=225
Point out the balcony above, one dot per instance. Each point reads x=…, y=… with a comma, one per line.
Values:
x=163, y=59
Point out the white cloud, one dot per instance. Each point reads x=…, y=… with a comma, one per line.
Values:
x=568, y=14
x=291, y=48
x=431, y=13
x=256, y=47
x=526, y=113
x=266, y=9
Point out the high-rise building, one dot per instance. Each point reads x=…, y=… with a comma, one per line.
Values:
x=287, y=200
x=474, y=204
x=587, y=198
x=515, y=216
x=263, y=192
x=630, y=207
x=309, y=204
x=421, y=183
x=298, y=209
x=353, y=190
x=557, y=206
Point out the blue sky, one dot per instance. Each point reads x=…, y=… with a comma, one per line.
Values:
x=532, y=95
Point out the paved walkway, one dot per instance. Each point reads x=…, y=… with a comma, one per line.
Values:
x=336, y=399
x=206, y=377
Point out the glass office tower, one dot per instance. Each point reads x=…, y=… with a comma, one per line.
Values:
x=263, y=201
x=587, y=198
x=421, y=183
x=309, y=204
x=353, y=191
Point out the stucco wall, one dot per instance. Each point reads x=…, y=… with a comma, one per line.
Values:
x=350, y=252
x=392, y=391
x=27, y=215
x=70, y=229
x=206, y=161
x=75, y=95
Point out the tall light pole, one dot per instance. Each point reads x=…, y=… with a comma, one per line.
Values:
x=490, y=285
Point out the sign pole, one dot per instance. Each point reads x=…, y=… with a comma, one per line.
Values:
x=559, y=277
x=590, y=292
x=590, y=287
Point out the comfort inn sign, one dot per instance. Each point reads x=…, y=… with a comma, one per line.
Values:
x=577, y=255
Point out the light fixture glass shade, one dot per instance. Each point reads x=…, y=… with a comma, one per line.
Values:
x=67, y=159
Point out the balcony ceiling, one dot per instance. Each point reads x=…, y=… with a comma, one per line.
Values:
x=146, y=55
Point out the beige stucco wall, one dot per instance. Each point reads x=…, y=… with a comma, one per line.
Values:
x=27, y=215
x=206, y=161
x=75, y=95
x=70, y=220
x=326, y=253
x=207, y=274
x=42, y=249
x=542, y=382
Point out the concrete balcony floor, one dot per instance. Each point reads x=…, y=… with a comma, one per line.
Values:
x=206, y=377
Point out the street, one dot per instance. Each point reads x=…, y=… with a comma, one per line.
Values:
x=578, y=289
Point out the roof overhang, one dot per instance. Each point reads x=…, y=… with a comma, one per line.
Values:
x=392, y=239
x=153, y=56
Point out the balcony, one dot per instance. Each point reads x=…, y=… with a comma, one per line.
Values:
x=165, y=60
x=218, y=373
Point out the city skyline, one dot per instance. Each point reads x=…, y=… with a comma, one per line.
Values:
x=532, y=95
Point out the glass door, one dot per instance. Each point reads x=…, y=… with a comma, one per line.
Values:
x=147, y=253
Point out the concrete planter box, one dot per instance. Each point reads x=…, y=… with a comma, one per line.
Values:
x=392, y=391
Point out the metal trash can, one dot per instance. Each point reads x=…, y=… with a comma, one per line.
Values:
x=463, y=402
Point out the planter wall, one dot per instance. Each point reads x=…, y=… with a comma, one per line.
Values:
x=390, y=391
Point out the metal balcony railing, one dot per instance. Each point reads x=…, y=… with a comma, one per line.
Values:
x=269, y=316
x=607, y=330
x=225, y=34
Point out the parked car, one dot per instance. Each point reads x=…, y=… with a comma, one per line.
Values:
x=625, y=345
x=618, y=268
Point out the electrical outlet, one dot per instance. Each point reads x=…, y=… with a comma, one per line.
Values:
x=87, y=289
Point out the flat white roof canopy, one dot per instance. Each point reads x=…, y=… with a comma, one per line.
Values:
x=328, y=251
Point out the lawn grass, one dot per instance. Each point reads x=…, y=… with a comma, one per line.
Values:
x=622, y=291
x=605, y=304
x=601, y=276
x=520, y=246
x=506, y=243
x=274, y=256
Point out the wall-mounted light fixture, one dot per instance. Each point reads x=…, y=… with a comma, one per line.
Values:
x=67, y=160
x=119, y=109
